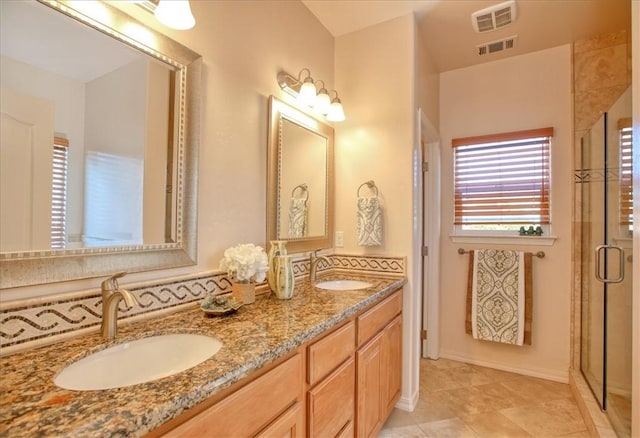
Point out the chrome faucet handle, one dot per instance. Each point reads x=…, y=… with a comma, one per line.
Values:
x=111, y=283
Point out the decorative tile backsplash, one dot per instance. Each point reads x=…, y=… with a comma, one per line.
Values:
x=24, y=324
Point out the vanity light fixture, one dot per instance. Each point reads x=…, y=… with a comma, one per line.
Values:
x=323, y=101
x=304, y=90
x=336, y=112
x=175, y=14
x=307, y=94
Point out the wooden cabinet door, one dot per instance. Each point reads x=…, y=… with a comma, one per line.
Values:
x=369, y=400
x=288, y=425
x=331, y=402
x=392, y=373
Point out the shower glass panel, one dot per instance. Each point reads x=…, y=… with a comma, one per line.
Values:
x=606, y=215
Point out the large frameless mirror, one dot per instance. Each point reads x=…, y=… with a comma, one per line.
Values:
x=100, y=133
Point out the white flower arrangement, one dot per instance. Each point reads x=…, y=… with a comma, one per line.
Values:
x=245, y=262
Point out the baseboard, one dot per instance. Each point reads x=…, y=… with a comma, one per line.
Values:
x=556, y=376
x=408, y=403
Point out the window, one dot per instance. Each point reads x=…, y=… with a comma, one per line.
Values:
x=502, y=181
x=59, y=193
x=626, y=177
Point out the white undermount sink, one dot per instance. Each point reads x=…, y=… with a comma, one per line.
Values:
x=139, y=361
x=343, y=284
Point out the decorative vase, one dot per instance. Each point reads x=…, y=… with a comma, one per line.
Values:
x=245, y=292
x=278, y=248
x=284, y=279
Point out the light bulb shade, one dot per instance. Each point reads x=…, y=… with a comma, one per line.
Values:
x=323, y=103
x=307, y=95
x=175, y=14
x=336, y=112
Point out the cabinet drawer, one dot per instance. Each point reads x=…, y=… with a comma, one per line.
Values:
x=330, y=351
x=288, y=425
x=252, y=407
x=374, y=320
x=332, y=402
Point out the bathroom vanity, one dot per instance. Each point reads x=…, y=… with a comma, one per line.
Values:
x=322, y=363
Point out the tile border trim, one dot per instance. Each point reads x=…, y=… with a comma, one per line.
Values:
x=31, y=323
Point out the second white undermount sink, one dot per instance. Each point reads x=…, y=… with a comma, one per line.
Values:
x=343, y=285
x=139, y=361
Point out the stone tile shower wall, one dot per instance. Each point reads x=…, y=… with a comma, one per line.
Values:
x=32, y=323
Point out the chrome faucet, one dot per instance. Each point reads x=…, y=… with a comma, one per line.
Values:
x=313, y=264
x=111, y=296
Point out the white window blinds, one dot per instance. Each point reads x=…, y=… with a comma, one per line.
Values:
x=503, y=179
x=59, y=193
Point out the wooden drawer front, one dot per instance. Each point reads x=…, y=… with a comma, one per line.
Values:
x=288, y=425
x=252, y=407
x=347, y=432
x=374, y=320
x=330, y=351
x=331, y=403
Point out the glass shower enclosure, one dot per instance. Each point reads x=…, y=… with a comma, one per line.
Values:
x=604, y=178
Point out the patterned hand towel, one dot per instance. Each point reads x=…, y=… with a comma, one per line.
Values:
x=298, y=217
x=499, y=299
x=369, y=225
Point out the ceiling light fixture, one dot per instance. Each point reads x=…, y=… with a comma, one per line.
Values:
x=303, y=88
x=175, y=14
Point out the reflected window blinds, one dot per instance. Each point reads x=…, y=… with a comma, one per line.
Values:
x=59, y=193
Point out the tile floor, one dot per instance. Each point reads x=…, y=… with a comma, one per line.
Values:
x=459, y=400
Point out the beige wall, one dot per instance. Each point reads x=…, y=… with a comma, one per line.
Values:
x=155, y=164
x=428, y=77
x=523, y=92
x=243, y=44
x=375, y=77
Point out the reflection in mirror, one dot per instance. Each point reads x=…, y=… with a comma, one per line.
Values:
x=114, y=114
x=96, y=128
x=303, y=173
x=300, y=188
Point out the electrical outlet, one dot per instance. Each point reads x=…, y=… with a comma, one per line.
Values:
x=339, y=239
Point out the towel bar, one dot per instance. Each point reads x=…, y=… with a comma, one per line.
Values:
x=539, y=254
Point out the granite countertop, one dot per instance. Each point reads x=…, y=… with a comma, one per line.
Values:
x=31, y=405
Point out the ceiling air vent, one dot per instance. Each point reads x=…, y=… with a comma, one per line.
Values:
x=497, y=46
x=494, y=17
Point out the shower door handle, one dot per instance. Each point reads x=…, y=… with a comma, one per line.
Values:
x=599, y=250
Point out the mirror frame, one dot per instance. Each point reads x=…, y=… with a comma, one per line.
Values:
x=277, y=111
x=39, y=267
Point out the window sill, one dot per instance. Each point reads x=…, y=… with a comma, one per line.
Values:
x=504, y=240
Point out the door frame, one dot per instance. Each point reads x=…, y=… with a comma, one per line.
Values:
x=428, y=208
